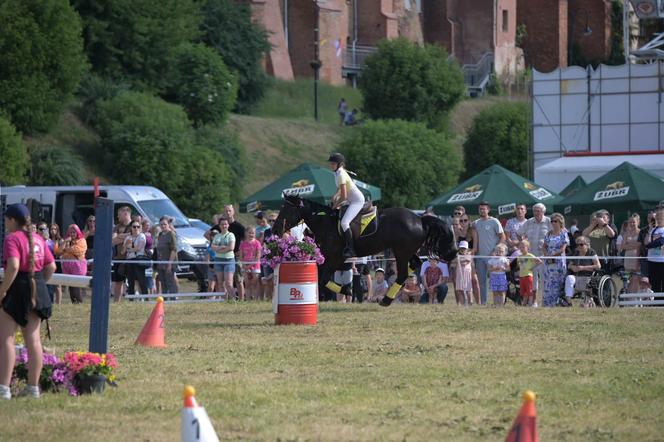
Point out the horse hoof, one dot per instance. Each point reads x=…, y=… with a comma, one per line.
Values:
x=385, y=302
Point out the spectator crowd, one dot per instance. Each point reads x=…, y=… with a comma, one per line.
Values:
x=515, y=259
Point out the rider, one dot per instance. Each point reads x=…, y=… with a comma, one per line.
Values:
x=347, y=193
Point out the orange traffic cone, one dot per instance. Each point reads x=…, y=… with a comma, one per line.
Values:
x=524, y=428
x=152, y=334
x=195, y=423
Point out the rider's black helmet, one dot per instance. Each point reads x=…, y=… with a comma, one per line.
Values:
x=336, y=157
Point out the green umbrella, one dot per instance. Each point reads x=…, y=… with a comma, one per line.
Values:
x=577, y=184
x=625, y=189
x=499, y=187
x=310, y=181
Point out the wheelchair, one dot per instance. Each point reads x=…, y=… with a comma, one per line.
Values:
x=600, y=291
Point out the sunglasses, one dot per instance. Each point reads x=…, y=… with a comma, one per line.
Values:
x=555, y=221
x=458, y=213
x=135, y=227
x=581, y=244
x=463, y=221
x=271, y=220
x=43, y=229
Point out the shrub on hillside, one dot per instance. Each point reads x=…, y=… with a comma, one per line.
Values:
x=94, y=89
x=148, y=141
x=55, y=166
x=41, y=61
x=410, y=163
x=232, y=152
x=409, y=82
x=228, y=28
x=201, y=83
x=14, y=154
x=498, y=135
x=133, y=40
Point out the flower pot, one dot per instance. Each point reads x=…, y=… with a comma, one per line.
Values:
x=88, y=384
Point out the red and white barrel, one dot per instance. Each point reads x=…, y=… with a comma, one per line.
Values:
x=296, y=297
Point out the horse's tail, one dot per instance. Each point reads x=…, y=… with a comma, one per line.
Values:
x=439, y=240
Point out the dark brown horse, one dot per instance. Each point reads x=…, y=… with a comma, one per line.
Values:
x=399, y=229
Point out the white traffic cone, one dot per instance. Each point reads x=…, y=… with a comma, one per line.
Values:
x=195, y=423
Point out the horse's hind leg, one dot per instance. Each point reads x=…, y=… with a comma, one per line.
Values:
x=402, y=274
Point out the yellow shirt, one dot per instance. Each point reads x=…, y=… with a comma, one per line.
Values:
x=526, y=265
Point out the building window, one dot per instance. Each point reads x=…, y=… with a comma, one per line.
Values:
x=505, y=20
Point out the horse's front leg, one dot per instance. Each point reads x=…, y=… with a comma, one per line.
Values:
x=402, y=274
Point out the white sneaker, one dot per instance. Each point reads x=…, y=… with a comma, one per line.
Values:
x=535, y=305
x=5, y=392
x=29, y=391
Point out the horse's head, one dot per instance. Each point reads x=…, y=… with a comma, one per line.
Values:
x=290, y=214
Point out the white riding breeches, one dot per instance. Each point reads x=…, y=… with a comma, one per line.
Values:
x=352, y=211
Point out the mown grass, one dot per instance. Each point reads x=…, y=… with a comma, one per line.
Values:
x=295, y=99
x=409, y=372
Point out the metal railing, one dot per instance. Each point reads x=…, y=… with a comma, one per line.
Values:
x=354, y=58
x=477, y=75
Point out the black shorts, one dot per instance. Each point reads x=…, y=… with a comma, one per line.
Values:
x=119, y=272
x=18, y=302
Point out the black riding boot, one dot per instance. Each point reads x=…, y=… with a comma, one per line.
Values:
x=349, y=251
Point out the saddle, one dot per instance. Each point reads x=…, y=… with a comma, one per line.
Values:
x=364, y=219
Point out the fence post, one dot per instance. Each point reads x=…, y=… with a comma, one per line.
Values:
x=101, y=277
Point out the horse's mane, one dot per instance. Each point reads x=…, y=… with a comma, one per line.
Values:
x=317, y=207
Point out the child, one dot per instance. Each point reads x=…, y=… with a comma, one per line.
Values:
x=463, y=284
x=411, y=290
x=497, y=278
x=433, y=278
x=379, y=287
x=250, y=256
x=527, y=262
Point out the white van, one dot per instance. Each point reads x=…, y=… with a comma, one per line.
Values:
x=67, y=205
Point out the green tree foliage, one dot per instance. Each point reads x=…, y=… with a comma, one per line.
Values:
x=410, y=163
x=55, y=166
x=410, y=82
x=14, y=155
x=133, y=39
x=227, y=27
x=41, y=60
x=94, y=89
x=498, y=135
x=201, y=83
x=149, y=141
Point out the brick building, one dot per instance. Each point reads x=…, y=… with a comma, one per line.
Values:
x=467, y=29
x=557, y=29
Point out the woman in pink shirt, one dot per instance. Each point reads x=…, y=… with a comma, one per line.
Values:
x=250, y=256
x=24, y=299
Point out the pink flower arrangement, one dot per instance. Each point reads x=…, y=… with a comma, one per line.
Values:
x=81, y=363
x=277, y=250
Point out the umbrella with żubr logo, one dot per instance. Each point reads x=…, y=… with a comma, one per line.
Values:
x=309, y=181
x=501, y=188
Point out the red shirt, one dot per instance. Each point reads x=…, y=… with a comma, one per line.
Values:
x=432, y=275
x=17, y=246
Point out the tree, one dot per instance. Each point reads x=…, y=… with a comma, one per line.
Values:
x=227, y=27
x=410, y=163
x=133, y=39
x=55, y=166
x=498, y=135
x=151, y=142
x=201, y=83
x=14, y=154
x=41, y=61
x=410, y=82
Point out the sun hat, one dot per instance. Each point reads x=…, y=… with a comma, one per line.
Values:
x=380, y=269
x=463, y=244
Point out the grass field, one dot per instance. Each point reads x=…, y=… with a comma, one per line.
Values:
x=408, y=372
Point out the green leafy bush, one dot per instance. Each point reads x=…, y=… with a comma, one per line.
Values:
x=41, y=61
x=201, y=83
x=14, y=155
x=498, y=135
x=410, y=82
x=410, y=163
x=92, y=90
x=231, y=150
x=133, y=40
x=228, y=28
x=55, y=166
x=148, y=141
